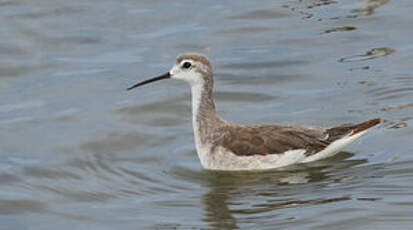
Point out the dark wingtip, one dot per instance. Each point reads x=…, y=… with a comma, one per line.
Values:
x=366, y=125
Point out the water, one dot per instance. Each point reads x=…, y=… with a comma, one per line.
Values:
x=77, y=151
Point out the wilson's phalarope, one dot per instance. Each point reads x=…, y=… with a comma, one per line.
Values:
x=222, y=145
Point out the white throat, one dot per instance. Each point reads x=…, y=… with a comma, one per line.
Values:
x=196, y=94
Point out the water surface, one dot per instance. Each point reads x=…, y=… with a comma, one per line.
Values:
x=77, y=151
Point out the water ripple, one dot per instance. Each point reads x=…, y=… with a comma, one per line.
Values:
x=371, y=54
x=260, y=14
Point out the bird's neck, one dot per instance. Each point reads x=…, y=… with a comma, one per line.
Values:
x=204, y=115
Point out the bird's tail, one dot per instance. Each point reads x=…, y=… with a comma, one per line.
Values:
x=336, y=133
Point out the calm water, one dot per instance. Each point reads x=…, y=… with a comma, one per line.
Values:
x=77, y=151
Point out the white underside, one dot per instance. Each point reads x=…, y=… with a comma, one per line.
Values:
x=222, y=159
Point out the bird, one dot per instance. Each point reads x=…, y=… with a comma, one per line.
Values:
x=225, y=146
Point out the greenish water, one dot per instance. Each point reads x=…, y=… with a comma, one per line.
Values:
x=77, y=151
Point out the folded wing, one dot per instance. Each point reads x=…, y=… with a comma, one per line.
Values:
x=271, y=139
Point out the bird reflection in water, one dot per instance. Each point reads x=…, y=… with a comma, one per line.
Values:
x=235, y=194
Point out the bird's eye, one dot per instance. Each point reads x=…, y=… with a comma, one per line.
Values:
x=186, y=65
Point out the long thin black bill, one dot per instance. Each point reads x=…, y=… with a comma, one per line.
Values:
x=163, y=76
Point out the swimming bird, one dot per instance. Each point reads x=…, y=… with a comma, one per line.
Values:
x=222, y=145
